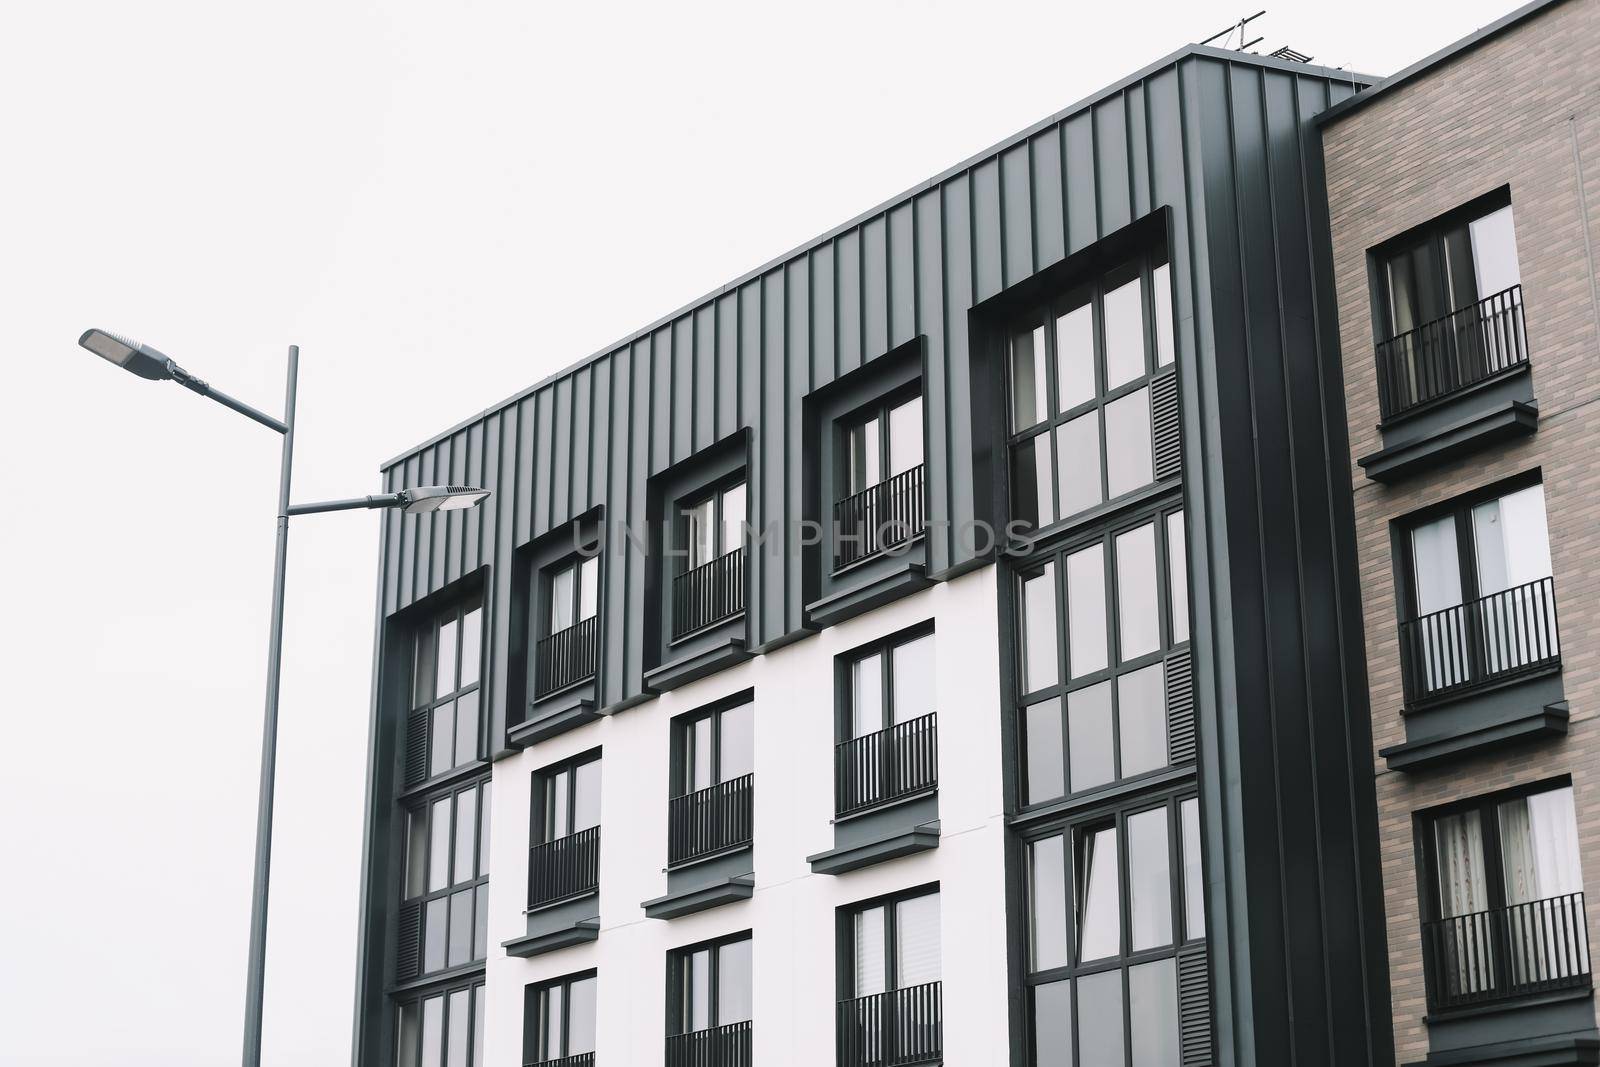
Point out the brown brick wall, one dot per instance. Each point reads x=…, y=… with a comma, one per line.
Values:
x=1504, y=113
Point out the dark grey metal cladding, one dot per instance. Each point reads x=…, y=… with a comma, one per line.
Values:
x=1216, y=139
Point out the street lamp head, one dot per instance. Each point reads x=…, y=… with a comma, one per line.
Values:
x=131, y=356
x=427, y=498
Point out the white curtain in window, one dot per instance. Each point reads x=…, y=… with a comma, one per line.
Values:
x=1512, y=548
x=1539, y=860
x=1465, y=946
x=917, y=941
x=1437, y=569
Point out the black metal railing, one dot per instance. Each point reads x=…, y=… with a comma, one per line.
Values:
x=879, y=767
x=710, y=820
x=1536, y=947
x=1483, y=641
x=565, y=867
x=879, y=517
x=1450, y=353
x=577, y=1059
x=707, y=594
x=720, y=1046
x=566, y=656
x=902, y=1026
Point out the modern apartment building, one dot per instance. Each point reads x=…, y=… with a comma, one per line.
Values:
x=1464, y=199
x=939, y=645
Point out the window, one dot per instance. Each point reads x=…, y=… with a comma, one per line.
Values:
x=1096, y=623
x=889, y=744
x=447, y=879
x=710, y=588
x=1111, y=899
x=714, y=757
x=1081, y=392
x=891, y=1007
x=559, y=1022
x=1505, y=908
x=1449, y=305
x=714, y=525
x=447, y=666
x=443, y=1029
x=709, y=999
x=883, y=442
x=882, y=480
x=1482, y=599
x=566, y=653
x=565, y=859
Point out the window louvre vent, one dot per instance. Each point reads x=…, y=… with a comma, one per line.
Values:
x=1194, y=1007
x=408, y=954
x=1180, y=706
x=1164, y=426
x=417, y=747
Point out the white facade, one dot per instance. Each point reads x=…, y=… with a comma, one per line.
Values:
x=792, y=912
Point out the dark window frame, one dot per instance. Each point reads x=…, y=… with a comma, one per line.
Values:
x=422, y=804
x=682, y=773
x=678, y=990
x=877, y=408
x=1432, y=235
x=714, y=492
x=845, y=916
x=474, y=987
x=845, y=663
x=544, y=781
x=533, y=998
x=1043, y=316
x=1105, y=535
x=1460, y=507
x=428, y=629
x=574, y=562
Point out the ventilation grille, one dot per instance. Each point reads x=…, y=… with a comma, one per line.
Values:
x=1164, y=426
x=408, y=951
x=1194, y=1008
x=1180, y=706
x=417, y=747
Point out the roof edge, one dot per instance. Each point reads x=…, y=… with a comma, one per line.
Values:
x=1172, y=59
x=1481, y=35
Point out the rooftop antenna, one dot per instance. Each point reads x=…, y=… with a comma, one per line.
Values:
x=1238, y=27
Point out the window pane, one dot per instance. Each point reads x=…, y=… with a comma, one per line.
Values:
x=1194, y=900
x=1494, y=252
x=416, y=853
x=1178, y=576
x=1089, y=736
x=483, y=828
x=1100, y=1018
x=913, y=679
x=1128, y=457
x=700, y=754
x=1052, y=1025
x=586, y=796
x=1539, y=847
x=581, y=996
x=733, y=516
x=588, y=587
x=702, y=532
x=869, y=969
x=460, y=1027
x=738, y=742
x=1078, y=460
x=1463, y=881
x=866, y=467
x=1047, y=867
x=1099, y=933
x=406, y=1041
x=1027, y=379
x=422, y=687
x=460, y=928
x=1161, y=296
x=917, y=941
x=1075, y=358
x=439, y=853
x=480, y=923
x=1039, y=628
x=445, y=672
x=477, y=1026
x=1153, y=1002
x=697, y=1012
x=733, y=983
x=1086, y=610
x=905, y=436
x=866, y=695
x=435, y=929
x=441, y=740
x=1142, y=719
x=432, y=1030
x=561, y=584
x=1124, y=325
x=554, y=1020
x=1033, y=481
x=466, y=836
x=1046, y=778
x=1434, y=559
x=467, y=728
x=557, y=823
x=1149, y=880
x=1513, y=546
x=1138, y=613
x=471, y=646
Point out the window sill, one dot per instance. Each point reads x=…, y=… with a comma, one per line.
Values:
x=1497, y=1007
x=454, y=776
x=687, y=902
x=555, y=715
x=859, y=590
x=1529, y=722
x=1447, y=441
x=878, y=849
x=687, y=666
x=578, y=933
x=704, y=858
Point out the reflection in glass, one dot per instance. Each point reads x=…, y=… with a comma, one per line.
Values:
x=582, y=998
x=1142, y=719
x=460, y=927
x=432, y=1030
x=466, y=838
x=738, y=751
x=1039, y=628
x=460, y=1028
x=1100, y=1019
x=1098, y=925
x=1153, y=1004
x=1138, y=614
x=1124, y=330
x=586, y=796
x=434, y=920
x=905, y=436
x=1161, y=296
x=1086, y=610
x=913, y=679
x=439, y=853
x=1089, y=736
x=1078, y=461
x=1052, y=1025
x=466, y=728
x=1045, y=771
x=1027, y=379
x=1194, y=901
x=1178, y=576
x=1129, y=462
x=1075, y=358
x=733, y=983
x=471, y=645
x=1047, y=865
x=445, y=675
x=866, y=695
x=1149, y=880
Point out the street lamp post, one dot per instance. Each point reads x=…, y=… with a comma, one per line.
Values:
x=147, y=362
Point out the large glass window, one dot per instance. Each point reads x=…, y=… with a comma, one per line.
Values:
x=711, y=985
x=574, y=593
x=714, y=525
x=1080, y=393
x=570, y=798
x=1097, y=621
x=447, y=875
x=1111, y=899
x=441, y=1029
x=1449, y=266
x=559, y=1019
x=715, y=746
x=447, y=668
x=892, y=944
x=882, y=442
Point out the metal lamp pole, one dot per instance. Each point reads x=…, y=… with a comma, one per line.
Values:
x=147, y=362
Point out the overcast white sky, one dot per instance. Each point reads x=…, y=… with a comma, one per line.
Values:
x=440, y=203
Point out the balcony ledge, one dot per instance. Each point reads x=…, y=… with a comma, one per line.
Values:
x=863, y=854
x=1530, y=724
x=861, y=594
x=554, y=715
x=690, y=667
x=1580, y=1049
x=687, y=902
x=579, y=933
x=1504, y=421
